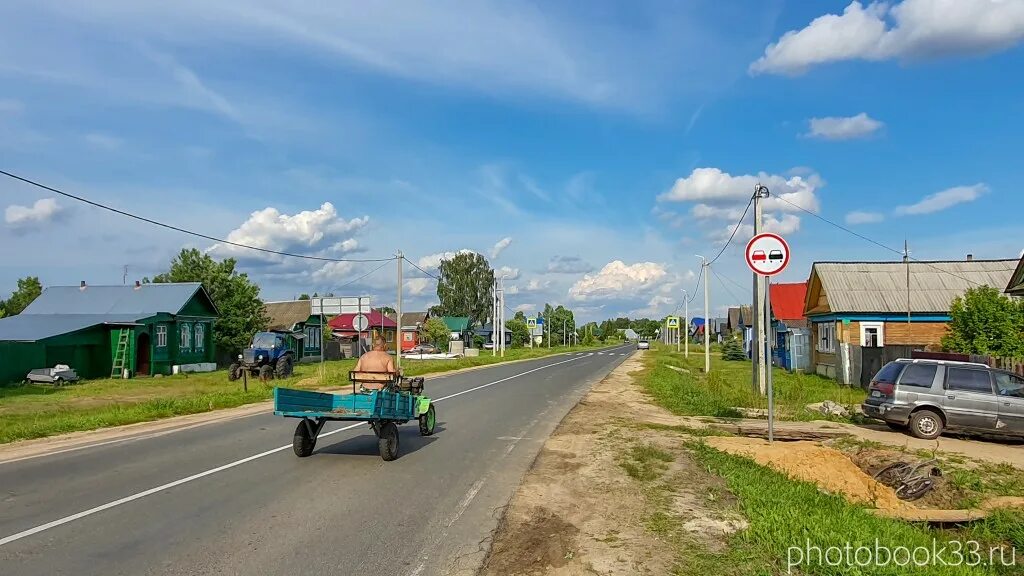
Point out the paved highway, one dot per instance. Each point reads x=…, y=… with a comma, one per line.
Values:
x=231, y=497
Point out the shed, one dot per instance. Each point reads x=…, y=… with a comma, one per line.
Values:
x=102, y=330
x=790, y=333
x=304, y=329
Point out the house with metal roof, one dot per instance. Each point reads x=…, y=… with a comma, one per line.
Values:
x=410, y=326
x=863, y=314
x=111, y=331
x=1015, y=287
x=304, y=329
x=346, y=328
x=790, y=331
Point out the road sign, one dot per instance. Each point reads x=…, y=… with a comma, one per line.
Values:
x=360, y=323
x=335, y=306
x=672, y=322
x=767, y=254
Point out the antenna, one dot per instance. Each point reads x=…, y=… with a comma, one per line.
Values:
x=124, y=279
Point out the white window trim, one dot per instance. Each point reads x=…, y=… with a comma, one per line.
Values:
x=881, y=332
x=185, y=335
x=830, y=328
x=199, y=329
x=161, y=336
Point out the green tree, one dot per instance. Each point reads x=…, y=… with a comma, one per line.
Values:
x=237, y=298
x=732, y=349
x=520, y=332
x=386, y=310
x=29, y=288
x=983, y=321
x=560, y=324
x=437, y=333
x=303, y=296
x=520, y=316
x=464, y=288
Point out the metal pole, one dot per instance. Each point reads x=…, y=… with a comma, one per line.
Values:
x=768, y=367
x=707, y=307
x=494, y=318
x=686, y=318
x=760, y=192
x=501, y=314
x=398, y=314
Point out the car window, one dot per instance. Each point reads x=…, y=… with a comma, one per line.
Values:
x=919, y=375
x=1009, y=385
x=968, y=380
x=889, y=372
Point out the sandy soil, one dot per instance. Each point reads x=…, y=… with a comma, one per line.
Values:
x=577, y=510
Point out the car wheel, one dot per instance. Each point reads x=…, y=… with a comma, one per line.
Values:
x=926, y=424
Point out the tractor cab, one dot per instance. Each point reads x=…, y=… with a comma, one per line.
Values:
x=267, y=357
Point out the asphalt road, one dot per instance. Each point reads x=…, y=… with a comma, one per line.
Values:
x=231, y=497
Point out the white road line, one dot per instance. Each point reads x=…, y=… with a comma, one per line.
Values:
x=228, y=466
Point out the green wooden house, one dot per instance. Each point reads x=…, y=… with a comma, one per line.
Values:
x=304, y=330
x=105, y=331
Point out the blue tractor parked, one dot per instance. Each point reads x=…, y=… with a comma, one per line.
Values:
x=268, y=356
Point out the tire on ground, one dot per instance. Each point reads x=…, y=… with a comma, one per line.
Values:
x=283, y=369
x=926, y=424
x=266, y=373
x=302, y=442
x=427, y=421
x=387, y=441
x=233, y=372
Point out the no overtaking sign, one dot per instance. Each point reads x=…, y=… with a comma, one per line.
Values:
x=767, y=254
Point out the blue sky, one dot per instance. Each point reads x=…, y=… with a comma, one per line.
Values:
x=609, y=142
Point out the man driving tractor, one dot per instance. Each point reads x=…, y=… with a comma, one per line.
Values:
x=376, y=360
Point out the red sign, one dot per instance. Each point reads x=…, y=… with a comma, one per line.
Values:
x=767, y=254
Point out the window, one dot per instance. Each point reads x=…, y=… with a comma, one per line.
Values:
x=313, y=334
x=390, y=336
x=161, y=336
x=968, y=380
x=919, y=375
x=200, y=331
x=1009, y=385
x=186, y=337
x=826, y=337
x=871, y=334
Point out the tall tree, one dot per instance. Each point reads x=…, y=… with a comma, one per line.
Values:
x=561, y=323
x=29, y=288
x=437, y=333
x=386, y=310
x=983, y=321
x=520, y=332
x=237, y=298
x=464, y=287
x=520, y=316
x=303, y=296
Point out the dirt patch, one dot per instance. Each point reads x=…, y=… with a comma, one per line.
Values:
x=944, y=494
x=606, y=496
x=827, y=467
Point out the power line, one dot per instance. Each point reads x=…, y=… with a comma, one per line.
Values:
x=727, y=289
x=183, y=230
x=734, y=230
x=879, y=244
x=350, y=282
x=413, y=264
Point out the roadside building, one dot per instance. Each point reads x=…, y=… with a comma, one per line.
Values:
x=107, y=331
x=790, y=330
x=1015, y=287
x=378, y=324
x=864, y=314
x=304, y=330
x=459, y=327
x=411, y=325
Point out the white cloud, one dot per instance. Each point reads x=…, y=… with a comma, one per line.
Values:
x=43, y=211
x=944, y=199
x=333, y=273
x=844, y=127
x=508, y=272
x=433, y=261
x=103, y=141
x=912, y=29
x=860, y=217
x=500, y=246
x=418, y=286
x=525, y=308
x=511, y=290
x=535, y=285
x=568, y=265
x=318, y=232
x=347, y=245
x=617, y=280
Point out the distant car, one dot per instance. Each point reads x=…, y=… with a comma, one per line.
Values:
x=775, y=255
x=758, y=256
x=643, y=345
x=931, y=396
x=488, y=345
x=424, y=349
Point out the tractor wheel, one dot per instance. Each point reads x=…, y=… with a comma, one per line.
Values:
x=387, y=441
x=284, y=367
x=266, y=373
x=427, y=422
x=233, y=372
x=302, y=442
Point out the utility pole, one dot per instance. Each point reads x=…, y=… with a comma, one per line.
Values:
x=686, y=322
x=494, y=318
x=398, y=314
x=124, y=279
x=707, y=305
x=906, y=260
x=501, y=315
x=760, y=383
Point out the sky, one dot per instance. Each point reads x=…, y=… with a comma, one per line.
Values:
x=590, y=150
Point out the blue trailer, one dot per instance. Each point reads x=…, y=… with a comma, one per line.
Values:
x=382, y=400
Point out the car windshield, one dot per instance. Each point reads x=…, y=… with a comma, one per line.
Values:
x=264, y=340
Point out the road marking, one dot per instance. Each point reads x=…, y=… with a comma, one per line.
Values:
x=228, y=466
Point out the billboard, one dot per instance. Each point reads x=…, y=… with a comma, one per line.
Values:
x=336, y=306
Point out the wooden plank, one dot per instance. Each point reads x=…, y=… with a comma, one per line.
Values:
x=780, y=433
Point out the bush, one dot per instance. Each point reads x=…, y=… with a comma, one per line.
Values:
x=437, y=333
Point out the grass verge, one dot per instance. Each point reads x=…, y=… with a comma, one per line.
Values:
x=36, y=411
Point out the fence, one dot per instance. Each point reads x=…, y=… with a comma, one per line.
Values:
x=1015, y=365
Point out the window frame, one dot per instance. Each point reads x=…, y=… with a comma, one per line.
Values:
x=931, y=382
x=865, y=326
x=160, y=335
x=1011, y=377
x=199, y=343
x=826, y=332
x=185, y=337
x=991, y=383
x=313, y=334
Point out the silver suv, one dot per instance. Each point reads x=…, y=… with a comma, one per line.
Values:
x=930, y=396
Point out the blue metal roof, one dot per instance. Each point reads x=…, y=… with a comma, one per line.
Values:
x=32, y=327
x=142, y=301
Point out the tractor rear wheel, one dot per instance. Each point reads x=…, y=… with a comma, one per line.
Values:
x=387, y=441
x=283, y=368
x=427, y=422
x=233, y=372
x=266, y=373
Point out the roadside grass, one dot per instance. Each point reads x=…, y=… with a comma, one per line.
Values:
x=786, y=516
x=36, y=411
x=728, y=387
x=646, y=462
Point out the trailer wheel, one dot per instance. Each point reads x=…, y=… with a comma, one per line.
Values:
x=387, y=441
x=302, y=442
x=427, y=422
x=233, y=372
x=266, y=373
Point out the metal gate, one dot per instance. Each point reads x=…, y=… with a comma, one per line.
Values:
x=801, y=356
x=871, y=360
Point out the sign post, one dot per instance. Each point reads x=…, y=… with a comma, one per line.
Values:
x=767, y=254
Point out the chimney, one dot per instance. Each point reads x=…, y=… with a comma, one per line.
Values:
x=82, y=285
x=970, y=257
x=138, y=285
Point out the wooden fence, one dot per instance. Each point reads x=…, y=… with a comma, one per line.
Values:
x=1015, y=365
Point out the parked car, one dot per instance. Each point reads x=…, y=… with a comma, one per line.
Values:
x=643, y=345
x=424, y=349
x=929, y=397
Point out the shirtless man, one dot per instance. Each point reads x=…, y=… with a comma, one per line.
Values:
x=376, y=360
